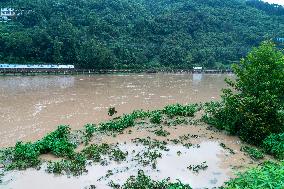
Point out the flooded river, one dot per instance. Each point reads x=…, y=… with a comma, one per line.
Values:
x=32, y=106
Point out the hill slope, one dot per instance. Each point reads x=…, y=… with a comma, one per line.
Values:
x=135, y=34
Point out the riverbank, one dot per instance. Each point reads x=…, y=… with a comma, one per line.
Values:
x=33, y=72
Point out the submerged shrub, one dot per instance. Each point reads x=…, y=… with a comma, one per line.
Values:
x=161, y=132
x=94, y=152
x=57, y=142
x=74, y=166
x=89, y=130
x=268, y=175
x=274, y=145
x=156, y=117
x=180, y=110
x=23, y=155
x=254, y=153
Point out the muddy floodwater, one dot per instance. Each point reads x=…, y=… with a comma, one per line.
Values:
x=191, y=152
x=32, y=106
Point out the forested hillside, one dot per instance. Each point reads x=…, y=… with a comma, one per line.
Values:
x=135, y=33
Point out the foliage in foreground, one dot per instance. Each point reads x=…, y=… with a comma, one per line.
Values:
x=253, y=107
x=254, y=153
x=274, y=145
x=143, y=181
x=268, y=175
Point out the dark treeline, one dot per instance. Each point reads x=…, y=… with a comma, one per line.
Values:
x=134, y=33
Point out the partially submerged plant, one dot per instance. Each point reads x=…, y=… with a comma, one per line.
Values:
x=197, y=168
x=180, y=110
x=227, y=148
x=254, y=153
x=111, y=111
x=75, y=166
x=161, y=132
x=143, y=181
x=89, y=130
x=156, y=117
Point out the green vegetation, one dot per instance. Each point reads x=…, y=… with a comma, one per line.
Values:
x=94, y=152
x=254, y=111
x=180, y=110
x=152, y=152
x=62, y=143
x=25, y=155
x=88, y=132
x=156, y=117
x=58, y=143
x=254, y=153
x=251, y=108
x=161, y=132
x=274, y=145
x=268, y=175
x=75, y=166
x=143, y=181
x=143, y=34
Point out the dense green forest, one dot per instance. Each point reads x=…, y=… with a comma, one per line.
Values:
x=106, y=34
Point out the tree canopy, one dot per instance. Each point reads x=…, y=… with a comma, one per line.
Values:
x=106, y=34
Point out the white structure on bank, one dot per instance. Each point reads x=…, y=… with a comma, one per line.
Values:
x=197, y=68
x=35, y=66
x=7, y=14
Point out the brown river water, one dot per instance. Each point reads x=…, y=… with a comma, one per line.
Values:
x=34, y=105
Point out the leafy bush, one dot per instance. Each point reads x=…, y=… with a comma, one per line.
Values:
x=180, y=110
x=24, y=155
x=118, y=124
x=156, y=117
x=57, y=142
x=274, y=145
x=268, y=175
x=254, y=153
x=89, y=130
x=221, y=116
x=143, y=181
x=252, y=106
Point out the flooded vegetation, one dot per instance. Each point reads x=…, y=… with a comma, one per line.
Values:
x=190, y=153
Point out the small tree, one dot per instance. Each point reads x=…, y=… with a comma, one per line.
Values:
x=252, y=107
